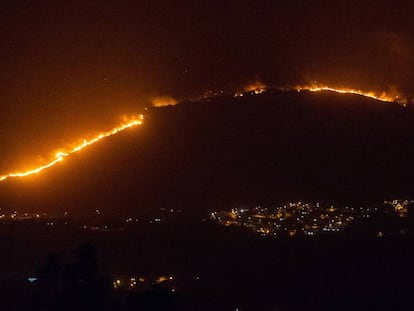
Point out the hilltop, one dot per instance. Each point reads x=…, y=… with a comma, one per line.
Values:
x=224, y=151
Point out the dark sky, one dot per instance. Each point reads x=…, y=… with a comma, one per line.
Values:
x=74, y=67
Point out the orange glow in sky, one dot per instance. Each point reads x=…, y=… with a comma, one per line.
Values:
x=60, y=155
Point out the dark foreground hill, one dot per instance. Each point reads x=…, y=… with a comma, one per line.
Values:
x=225, y=152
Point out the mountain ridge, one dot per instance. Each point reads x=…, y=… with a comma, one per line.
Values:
x=267, y=148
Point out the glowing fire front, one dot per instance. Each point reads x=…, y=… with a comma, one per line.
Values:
x=385, y=97
x=60, y=155
x=392, y=96
x=252, y=89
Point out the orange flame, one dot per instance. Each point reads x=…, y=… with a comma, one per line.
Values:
x=163, y=101
x=59, y=156
x=385, y=97
x=256, y=87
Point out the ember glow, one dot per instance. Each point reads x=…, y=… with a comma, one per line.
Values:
x=385, y=97
x=163, y=101
x=60, y=155
x=256, y=87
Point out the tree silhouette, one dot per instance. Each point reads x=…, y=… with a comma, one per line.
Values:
x=77, y=286
x=80, y=286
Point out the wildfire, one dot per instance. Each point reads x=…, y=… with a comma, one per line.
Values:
x=163, y=101
x=253, y=88
x=392, y=96
x=60, y=155
x=385, y=97
x=256, y=87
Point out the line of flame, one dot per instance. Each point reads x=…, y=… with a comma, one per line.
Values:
x=257, y=89
x=381, y=97
x=61, y=155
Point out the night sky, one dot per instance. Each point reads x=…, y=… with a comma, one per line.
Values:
x=73, y=67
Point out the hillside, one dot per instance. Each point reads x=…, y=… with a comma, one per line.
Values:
x=224, y=152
